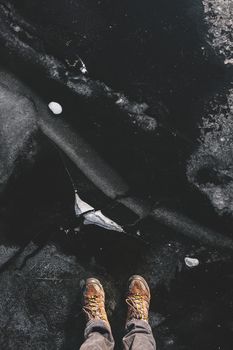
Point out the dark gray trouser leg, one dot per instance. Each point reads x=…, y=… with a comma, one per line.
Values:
x=138, y=336
x=97, y=336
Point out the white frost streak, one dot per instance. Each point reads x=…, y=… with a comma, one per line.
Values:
x=94, y=217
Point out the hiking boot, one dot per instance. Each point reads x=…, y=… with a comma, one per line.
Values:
x=94, y=301
x=138, y=299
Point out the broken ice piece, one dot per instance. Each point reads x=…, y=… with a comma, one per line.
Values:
x=191, y=262
x=81, y=207
x=55, y=107
x=94, y=217
x=97, y=218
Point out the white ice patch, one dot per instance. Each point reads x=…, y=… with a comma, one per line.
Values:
x=17, y=29
x=97, y=218
x=218, y=197
x=120, y=101
x=81, y=207
x=228, y=61
x=191, y=262
x=55, y=107
x=83, y=68
x=94, y=217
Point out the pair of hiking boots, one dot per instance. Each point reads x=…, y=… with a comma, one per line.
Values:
x=138, y=300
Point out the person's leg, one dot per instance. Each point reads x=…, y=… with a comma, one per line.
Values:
x=98, y=334
x=138, y=335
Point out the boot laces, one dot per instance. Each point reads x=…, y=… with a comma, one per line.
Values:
x=137, y=308
x=92, y=308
